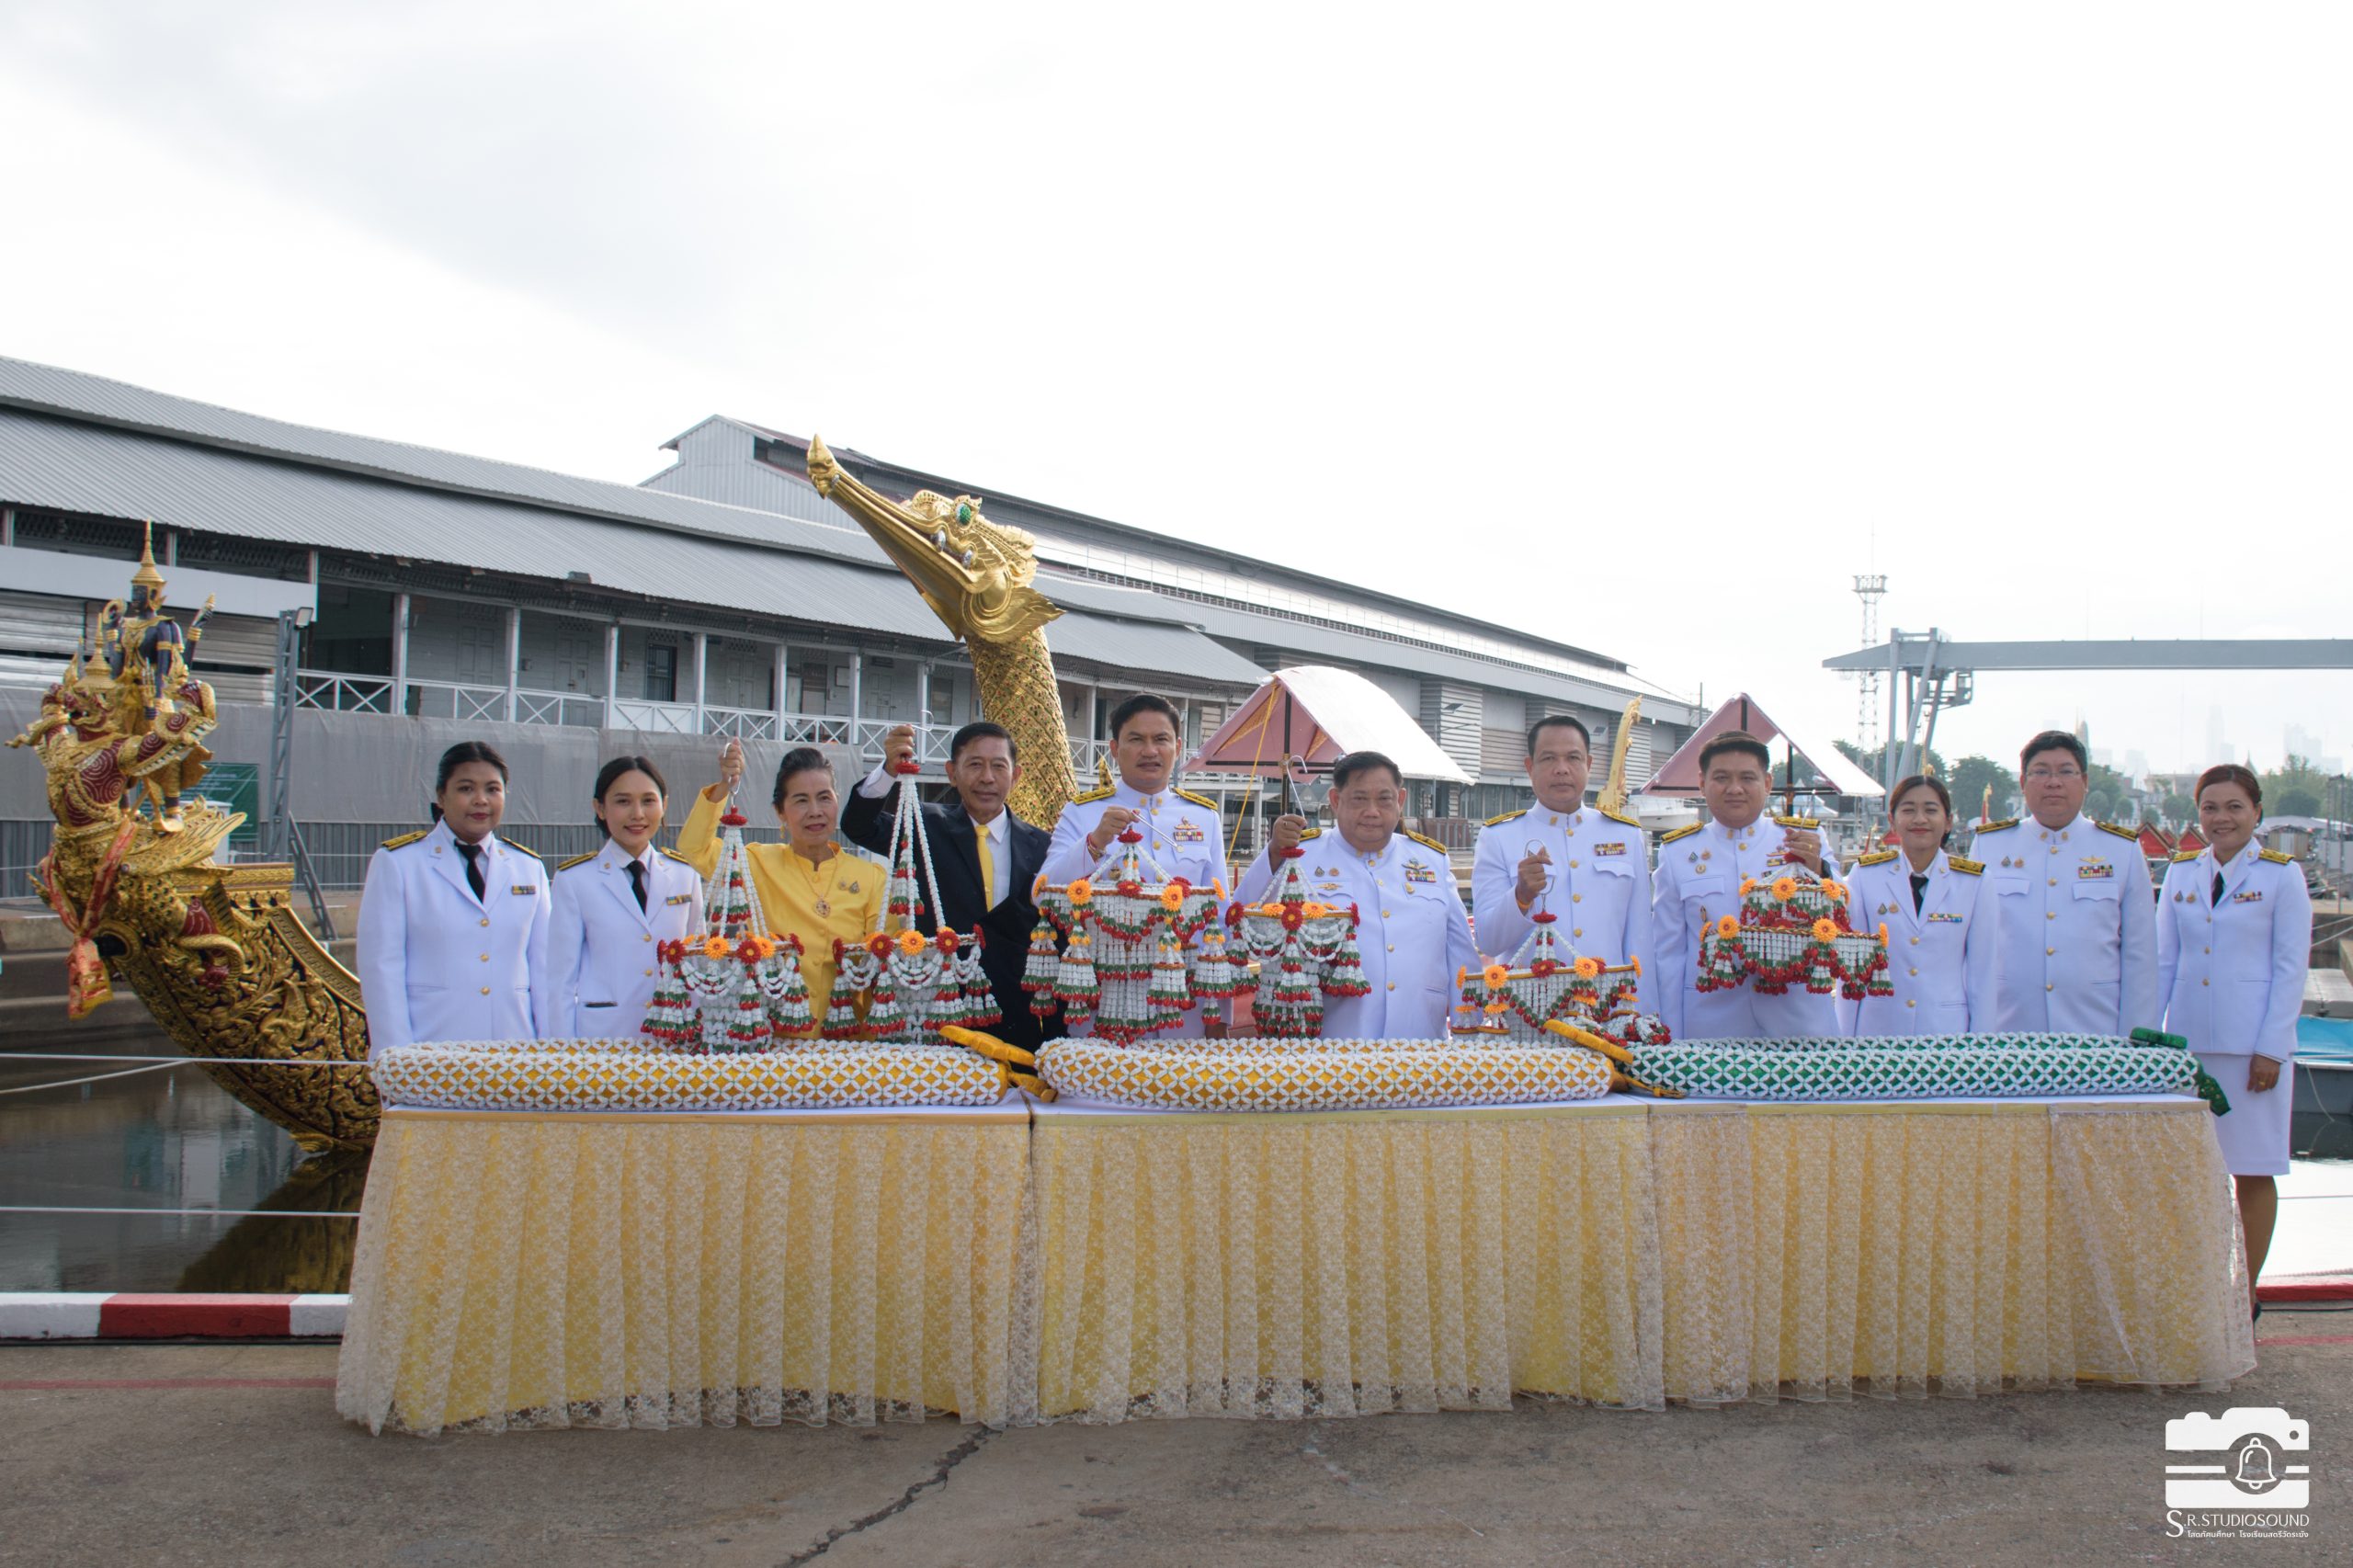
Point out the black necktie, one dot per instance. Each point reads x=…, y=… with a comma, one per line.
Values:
x=473, y=852
x=2218, y=890
x=637, y=882
x=1920, y=890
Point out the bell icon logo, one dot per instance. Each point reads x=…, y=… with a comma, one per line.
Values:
x=2246, y=1458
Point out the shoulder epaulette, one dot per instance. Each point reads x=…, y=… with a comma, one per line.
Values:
x=1310, y=833
x=2120, y=832
x=2181, y=855
x=2277, y=858
x=1682, y=832
x=1620, y=816
x=1797, y=822
x=1966, y=868
x=1502, y=817
x=673, y=855
x=1998, y=826
x=1424, y=842
x=1105, y=793
x=1881, y=859
x=578, y=860
x=520, y=850
x=405, y=839
x=1197, y=800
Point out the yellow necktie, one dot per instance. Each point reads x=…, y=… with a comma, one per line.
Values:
x=988, y=867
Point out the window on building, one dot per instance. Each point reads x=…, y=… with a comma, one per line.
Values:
x=661, y=673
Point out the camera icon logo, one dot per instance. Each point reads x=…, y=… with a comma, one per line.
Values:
x=2245, y=1460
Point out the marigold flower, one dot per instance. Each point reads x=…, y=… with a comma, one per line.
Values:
x=1588, y=968
x=1824, y=929
x=1785, y=888
x=714, y=947
x=1081, y=892
x=1747, y=886
x=1727, y=927
x=1172, y=898
x=1833, y=890
x=911, y=942
x=1496, y=976
x=948, y=942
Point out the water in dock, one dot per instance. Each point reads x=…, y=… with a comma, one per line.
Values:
x=176, y=1186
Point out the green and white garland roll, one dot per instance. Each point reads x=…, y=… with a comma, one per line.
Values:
x=1988, y=1066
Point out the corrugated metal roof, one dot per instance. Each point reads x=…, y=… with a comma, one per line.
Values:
x=47, y=388
x=56, y=464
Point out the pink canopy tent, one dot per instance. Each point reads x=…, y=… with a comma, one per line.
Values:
x=1321, y=714
x=1680, y=773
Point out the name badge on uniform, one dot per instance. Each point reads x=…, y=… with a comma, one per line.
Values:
x=527, y=890
x=1187, y=831
x=1420, y=871
x=1945, y=919
x=1617, y=849
x=1327, y=887
x=2093, y=872
x=2252, y=895
x=679, y=898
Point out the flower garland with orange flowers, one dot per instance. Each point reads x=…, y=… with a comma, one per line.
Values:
x=911, y=985
x=736, y=988
x=1305, y=950
x=1126, y=947
x=1794, y=930
x=1536, y=985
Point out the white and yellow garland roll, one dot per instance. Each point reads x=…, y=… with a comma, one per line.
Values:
x=1321, y=1075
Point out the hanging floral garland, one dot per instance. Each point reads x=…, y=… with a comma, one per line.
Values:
x=1793, y=931
x=1126, y=947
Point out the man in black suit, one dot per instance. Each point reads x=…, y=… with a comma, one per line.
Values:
x=983, y=767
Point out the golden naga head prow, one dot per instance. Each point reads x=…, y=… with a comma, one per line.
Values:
x=974, y=574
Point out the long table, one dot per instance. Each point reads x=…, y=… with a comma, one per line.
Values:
x=1040, y=1262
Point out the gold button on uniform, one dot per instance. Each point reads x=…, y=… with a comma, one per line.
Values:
x=1909, y=1002
x=2047, y=985
x=485, y=919
x=485, y=957
x=485, y=990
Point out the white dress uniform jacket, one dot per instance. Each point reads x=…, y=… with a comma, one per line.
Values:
x=1941, y=958
x=1697, y=881
x=601, y=968
x=1411, y=929
x=2231, y=973
x=2078, y=926
x=437, y=963
x=1599, y=888
x=1182, y=832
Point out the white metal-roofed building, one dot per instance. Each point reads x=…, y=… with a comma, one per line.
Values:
x=567, y=619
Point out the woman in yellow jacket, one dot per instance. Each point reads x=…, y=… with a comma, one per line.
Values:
x=807, y=887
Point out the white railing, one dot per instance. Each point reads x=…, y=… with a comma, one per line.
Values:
x=455, y=700
x=743, y=724
x=336, y=693
x=559, y=708
x=654, y=718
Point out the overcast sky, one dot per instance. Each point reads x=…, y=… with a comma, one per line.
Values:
x=1642, y=328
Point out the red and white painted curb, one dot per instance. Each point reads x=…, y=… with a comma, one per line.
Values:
x=170, y=1314
x=179, y=1314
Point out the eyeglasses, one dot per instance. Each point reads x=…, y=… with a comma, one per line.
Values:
x=2046, y=775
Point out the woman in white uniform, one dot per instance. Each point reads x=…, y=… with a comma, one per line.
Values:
x=614, y=907
x=2234, y=934
x=453, y=919
x=1941, y=953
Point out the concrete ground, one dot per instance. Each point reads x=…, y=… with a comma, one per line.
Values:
x=196, y=1454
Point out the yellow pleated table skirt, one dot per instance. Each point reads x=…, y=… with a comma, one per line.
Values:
x=648, y=1269
x=1072, y=1263
x=1812, y=1251
x=1342, y=1263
